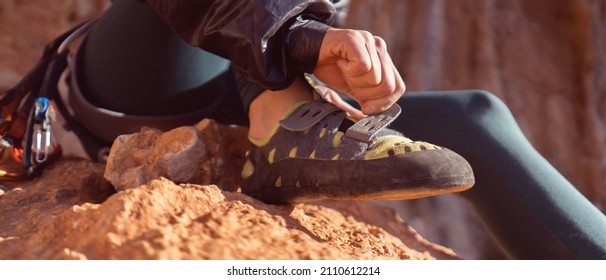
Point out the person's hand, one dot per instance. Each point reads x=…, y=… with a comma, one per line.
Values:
x=357, y=63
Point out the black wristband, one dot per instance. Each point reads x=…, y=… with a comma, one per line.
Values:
x=303, y=43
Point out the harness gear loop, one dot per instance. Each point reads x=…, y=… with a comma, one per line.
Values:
x=26, y=114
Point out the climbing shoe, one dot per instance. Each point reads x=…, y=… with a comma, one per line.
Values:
x=317, y=152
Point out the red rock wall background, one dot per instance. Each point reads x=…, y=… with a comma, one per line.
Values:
x=544, y=58
x=26, y=26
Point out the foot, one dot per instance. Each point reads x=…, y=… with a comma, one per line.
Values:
x=317, y=152
x=270, y=106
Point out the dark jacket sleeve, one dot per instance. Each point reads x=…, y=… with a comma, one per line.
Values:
x=268, y=41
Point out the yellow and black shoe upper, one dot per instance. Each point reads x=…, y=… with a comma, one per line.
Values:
x=317, y=152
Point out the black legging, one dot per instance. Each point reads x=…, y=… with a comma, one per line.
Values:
x=131, y=62
x=530, y=208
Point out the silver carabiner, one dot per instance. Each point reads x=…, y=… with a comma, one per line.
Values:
x=43, y=143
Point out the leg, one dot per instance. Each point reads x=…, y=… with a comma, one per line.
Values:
x=532, y=210
x=262, y=120
x=316, y=152
x=132, y=63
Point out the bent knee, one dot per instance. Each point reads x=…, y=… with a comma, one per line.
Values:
x=481, y=102
x=463, y=110
x=469, y=109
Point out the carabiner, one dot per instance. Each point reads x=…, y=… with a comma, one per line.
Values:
x=41, y=106
x=43, y=145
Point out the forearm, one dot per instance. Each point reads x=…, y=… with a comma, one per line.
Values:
x=269, y=41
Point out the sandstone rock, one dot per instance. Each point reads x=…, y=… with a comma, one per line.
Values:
x=72, y=213
x=185, y=154
x=544, y=55
x=543, y=58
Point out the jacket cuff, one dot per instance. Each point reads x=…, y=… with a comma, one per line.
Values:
x=303, y=43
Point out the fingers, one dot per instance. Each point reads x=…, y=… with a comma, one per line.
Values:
x=375, y=106
x=392, y=87
x=378, y=105
x=336, y=99
x=380, y=90
x=339, y=102
x=387, y=83
x=361, y=61
x=358, y=64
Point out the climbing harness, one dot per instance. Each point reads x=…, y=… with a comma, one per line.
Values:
x=28, y=111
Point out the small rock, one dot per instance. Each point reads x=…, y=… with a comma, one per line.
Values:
x=191, y=154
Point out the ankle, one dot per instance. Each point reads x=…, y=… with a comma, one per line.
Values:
x=270, y=106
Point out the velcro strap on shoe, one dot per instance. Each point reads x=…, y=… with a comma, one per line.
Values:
x=308, y=115
x=365, y=129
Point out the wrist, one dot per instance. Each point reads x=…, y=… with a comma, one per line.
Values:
x=303, y=43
